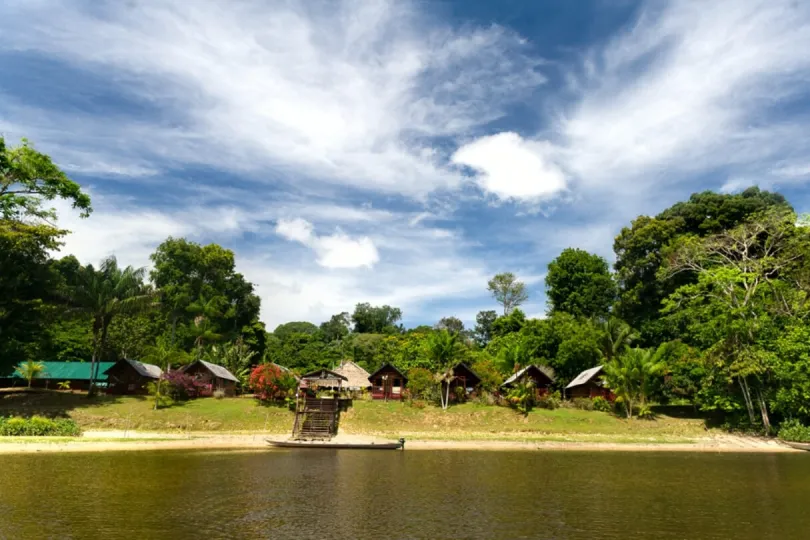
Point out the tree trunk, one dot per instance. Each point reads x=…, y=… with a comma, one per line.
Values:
x=629, y=406
x=763, y=409
x=93, y=364
x=747, y=397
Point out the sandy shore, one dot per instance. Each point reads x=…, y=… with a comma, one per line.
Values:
x=110, y=441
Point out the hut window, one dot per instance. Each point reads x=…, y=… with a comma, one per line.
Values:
x=396, y=382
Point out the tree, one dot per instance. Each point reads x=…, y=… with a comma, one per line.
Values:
x=631, y=376
x=30, y=370
x=284, y=331
x=271, y=382
x=106, y=293
x=337, y=327
x=746, y=278
x=616, y=337
x=508, y=291
x=451, y=324
x=204, y=311
x=641, y=250
x=580, y=283
x=370, y=319
x=28, y=177
x=483, y=327
x=163, y=354
x=509, y=324
x=236, y=357
x=441, y=347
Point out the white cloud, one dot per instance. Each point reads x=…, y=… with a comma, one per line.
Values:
x=512, y=168
x=335, y=251
x=350, y=94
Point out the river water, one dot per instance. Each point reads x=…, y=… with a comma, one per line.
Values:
x=412, y=494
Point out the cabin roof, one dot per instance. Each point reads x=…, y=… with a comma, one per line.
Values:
x=75, y=371
x=323, y=377
x=217, y=371
x=545, y=370
x=462, y=365
x=585, y=376
x=356, y=377
x=385, y=366
x=150, y=371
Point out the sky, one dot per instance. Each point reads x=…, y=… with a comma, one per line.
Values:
x=401, y=152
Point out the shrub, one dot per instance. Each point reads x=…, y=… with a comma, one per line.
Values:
x=582, y=403
x=486, y=398
x=521, y=397
x=421, y=383
x=181, y=386
x=37, y=426
x=645, y=412
x=272, y=383
x=793, y=430
x=601, y=404
x=551, y=401
x=219, y=394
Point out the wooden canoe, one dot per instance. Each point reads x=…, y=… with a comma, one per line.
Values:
x=798, y=445
x=335, y=445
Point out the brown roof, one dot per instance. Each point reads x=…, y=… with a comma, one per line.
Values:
x=357, y=376
x=545, y=370
x=388, y=365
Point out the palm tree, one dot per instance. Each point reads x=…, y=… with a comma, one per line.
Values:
x=163, y=355
x=632, y=375
x=516, y=355
x=105, y=293
x=441, y=346
x=30, y=370
x=203, y=330
x=616, y=337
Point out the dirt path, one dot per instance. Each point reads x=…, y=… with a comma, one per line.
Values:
x=108, y=441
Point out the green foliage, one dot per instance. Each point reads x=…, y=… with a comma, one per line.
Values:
x=633, y=376
x=454, y=325
x=483, y=332
x=63, y=385
x=507, y=291
x=580, y=283
x=30, y=370
x=793, y=430
x=336, y=328
x=551, y=401
x=370, y=319
x=601, y=404
x=491, y=377
x=422, y=385
x=38, y=426
x=27, y=178
x=508, y=324
x=521, y=397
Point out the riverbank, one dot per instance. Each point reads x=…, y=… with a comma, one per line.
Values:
x=118, y=441
x=131, y=423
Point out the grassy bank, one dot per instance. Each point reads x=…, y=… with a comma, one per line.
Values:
x=461, y=422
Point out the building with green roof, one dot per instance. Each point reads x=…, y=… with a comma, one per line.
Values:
x=76, y=373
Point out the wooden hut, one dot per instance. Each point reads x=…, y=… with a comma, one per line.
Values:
x=541, y=376
x=323, y=378
x=387, y=383
x=464, y=377
x=588, y=384
x=214, y=376
x=77, y=374
x=131, y=377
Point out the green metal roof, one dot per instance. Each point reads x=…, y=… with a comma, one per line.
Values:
x=65, y=371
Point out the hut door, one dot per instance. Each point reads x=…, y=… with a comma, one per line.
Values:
x=388, y=384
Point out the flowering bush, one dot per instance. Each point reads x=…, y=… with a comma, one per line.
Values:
x=181, y=386
x=271, y=383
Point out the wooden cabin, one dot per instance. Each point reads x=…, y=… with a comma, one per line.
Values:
x=588, y=384
x=131, y=377
x=322, y=378
x=215, y=377
x=542, y=377
x=464, y=377
x=388, y=383
x=76, y=374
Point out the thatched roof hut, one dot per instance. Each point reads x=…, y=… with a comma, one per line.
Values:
x=219, y=377
x=356, y=377
x=324, y=378
x=129, y=376
x=541, y=376
x=588, y=385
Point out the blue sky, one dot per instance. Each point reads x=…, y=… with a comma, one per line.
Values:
x=401, y=152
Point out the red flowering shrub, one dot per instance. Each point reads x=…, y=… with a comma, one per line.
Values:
x=271, y=383
x=182, y=386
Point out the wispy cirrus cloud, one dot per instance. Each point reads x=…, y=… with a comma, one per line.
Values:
x=350, y=93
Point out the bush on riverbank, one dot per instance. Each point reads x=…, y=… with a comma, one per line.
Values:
x=38, y=426
x=794, y=431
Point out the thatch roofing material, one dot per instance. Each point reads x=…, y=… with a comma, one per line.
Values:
x=356, y=377
x=545, y=370
x=323, y=377
x=584, y=377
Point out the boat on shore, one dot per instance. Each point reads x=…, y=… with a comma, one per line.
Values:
x=335, y=445
x=797, y=445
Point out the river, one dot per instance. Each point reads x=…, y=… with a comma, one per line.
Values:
x=411, y=494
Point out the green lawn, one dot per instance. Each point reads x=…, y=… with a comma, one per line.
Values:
x=460, y=422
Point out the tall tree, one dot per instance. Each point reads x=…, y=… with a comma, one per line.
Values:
x=106, y=293
x=337, y=327
x=580, y=283
x=454, y=325
x=632, y=375
x=27, y=178
x=641, y=250
x=616, y=337
x=508, y=291
x=370, y=319
x=483, y=327
x=441, y=347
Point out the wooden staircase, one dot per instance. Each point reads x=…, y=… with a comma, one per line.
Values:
x=315, y=418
